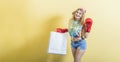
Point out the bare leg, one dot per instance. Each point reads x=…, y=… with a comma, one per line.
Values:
x=74, y=52
x=79, y=54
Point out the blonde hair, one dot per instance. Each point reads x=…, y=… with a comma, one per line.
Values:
x=81, y=20
x=83, y=32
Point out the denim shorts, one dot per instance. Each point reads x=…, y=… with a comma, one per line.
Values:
x=81, y=44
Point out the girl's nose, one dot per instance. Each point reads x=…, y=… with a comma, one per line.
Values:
x=77, y=13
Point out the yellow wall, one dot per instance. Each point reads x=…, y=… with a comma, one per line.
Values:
x=25, y=26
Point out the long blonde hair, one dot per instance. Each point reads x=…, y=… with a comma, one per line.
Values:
x=81, y=20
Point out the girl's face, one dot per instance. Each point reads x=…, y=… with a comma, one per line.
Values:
x=78, y=14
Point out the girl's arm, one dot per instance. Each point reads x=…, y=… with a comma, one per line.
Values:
x=86, y=34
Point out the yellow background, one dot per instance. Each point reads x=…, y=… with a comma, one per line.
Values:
x=25, y=27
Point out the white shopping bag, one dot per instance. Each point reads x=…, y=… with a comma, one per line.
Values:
x=57, y=43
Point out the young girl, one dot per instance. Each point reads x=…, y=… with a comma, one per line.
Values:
x=77, y=33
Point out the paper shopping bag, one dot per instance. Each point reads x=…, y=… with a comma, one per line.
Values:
x=57, y=43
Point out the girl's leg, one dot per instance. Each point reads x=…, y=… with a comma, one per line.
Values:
x=74, y=52
x=78, y=55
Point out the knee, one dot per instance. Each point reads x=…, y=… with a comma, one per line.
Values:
x=78, y=57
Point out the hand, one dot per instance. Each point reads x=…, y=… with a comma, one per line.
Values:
x=88, y=23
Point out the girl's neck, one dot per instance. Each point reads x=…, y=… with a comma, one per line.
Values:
x=76, y=19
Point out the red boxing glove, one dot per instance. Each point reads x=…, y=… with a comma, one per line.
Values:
x=88, y=24
x=60, y=30
x=65, y=30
